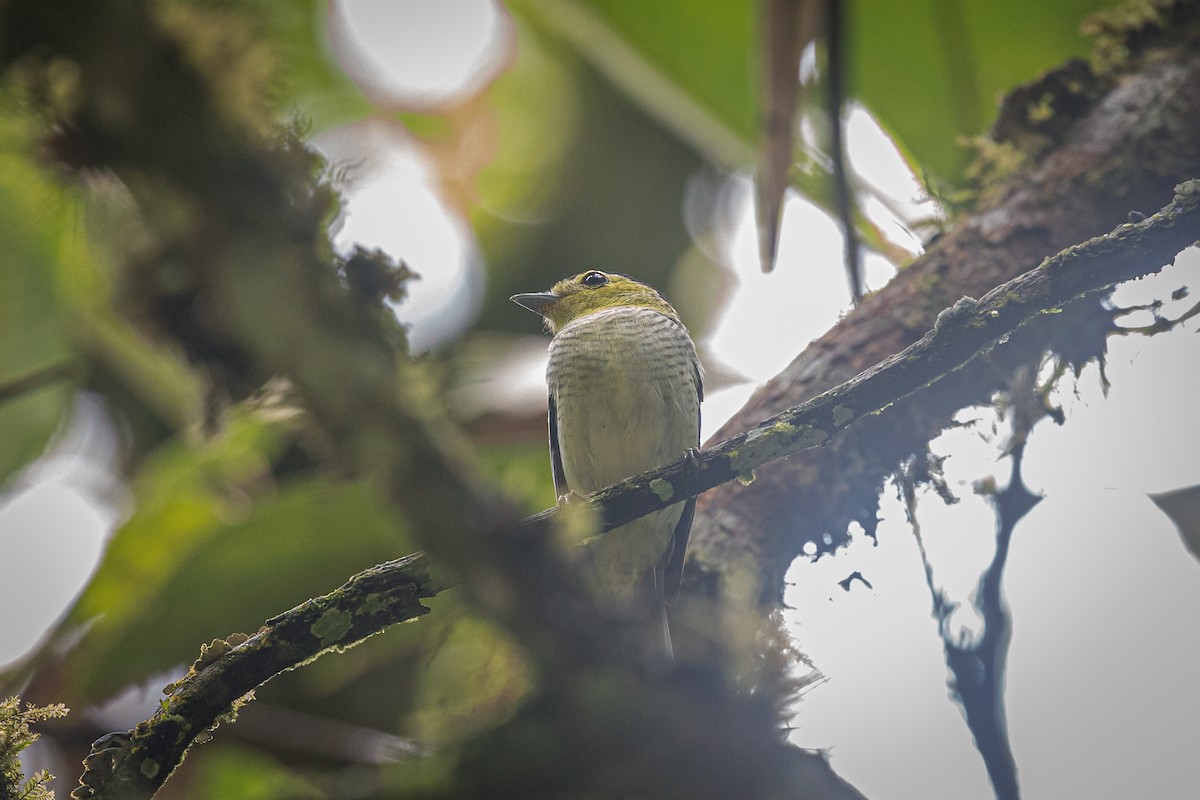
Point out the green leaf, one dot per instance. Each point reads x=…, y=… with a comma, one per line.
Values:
x=296, y=66
x=234, y=772
x=212, y=548
x=311, y=80
x=34, y=356
x=933, y=71
x=692, y=64
x=475, y=679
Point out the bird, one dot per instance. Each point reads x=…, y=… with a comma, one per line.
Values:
x=625, y=387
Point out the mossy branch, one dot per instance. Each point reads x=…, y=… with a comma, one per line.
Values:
x=135, y=764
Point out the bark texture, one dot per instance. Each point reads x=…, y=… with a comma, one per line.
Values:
x=1119, y=149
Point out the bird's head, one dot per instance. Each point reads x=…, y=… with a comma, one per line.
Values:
x=590, y=292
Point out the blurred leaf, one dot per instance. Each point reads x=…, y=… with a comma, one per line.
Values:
x=148, y=386
x=475, y=680
x=143, y=384
x=1183, y=507
x=374, y=684
x=232, y=772
x=307, y=77
x=36, y=233
x=697, y=69
x=255, y=43
x=611, y=201
x=933, y=71
x=521, y=469
x=536, y=105
x=213, y=548
x=691, y=64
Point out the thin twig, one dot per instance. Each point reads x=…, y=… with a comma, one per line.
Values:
x=38, y=379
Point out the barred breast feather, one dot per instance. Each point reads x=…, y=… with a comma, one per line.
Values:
x=625, y=392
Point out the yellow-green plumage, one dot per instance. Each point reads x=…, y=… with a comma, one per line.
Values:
x=625, y=390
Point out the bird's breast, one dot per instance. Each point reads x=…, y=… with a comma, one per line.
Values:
x=626, y=385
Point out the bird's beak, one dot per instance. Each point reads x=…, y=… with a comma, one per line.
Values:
x=537, y=302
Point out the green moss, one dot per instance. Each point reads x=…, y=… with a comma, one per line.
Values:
x=373, y=603
x=813, y=437
x=331, y=627
x=993, y=165
x=1042, y=110
x=662, y=489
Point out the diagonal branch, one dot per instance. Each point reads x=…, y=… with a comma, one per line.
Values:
x=230, y=670
x=1115, y=143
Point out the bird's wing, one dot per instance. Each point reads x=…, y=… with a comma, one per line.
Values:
x=671, y=564
x=556, y=464
x=672, y=561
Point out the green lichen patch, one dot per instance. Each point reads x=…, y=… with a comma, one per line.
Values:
x=662, y=489
x=373, y=603
x=331, y=627
x=812, y=437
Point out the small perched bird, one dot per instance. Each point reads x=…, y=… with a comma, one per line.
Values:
x=625, y=390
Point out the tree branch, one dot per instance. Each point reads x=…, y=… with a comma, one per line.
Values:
x=1117, y=144
x=135, y=764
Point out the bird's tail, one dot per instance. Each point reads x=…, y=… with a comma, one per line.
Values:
x=668, y=648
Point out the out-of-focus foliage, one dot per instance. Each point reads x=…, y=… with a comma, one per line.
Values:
x=36, y=232
x=238, y=773
x=576, y=162
x=692, y=64
x=475, y=679
x=206, y=519
x=934, y=73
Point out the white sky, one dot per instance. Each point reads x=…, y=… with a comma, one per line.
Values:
x=1102, y=694
x=1101, y=674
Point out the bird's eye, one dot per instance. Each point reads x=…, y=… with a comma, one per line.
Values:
x=594, y=279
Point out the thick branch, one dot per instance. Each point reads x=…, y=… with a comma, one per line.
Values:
x=1124, y=152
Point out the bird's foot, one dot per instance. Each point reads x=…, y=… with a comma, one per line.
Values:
x=693, y=458
x=570, y=498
